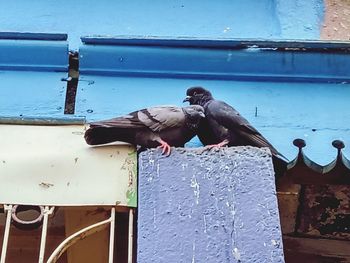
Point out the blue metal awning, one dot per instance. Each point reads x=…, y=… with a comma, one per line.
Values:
x=32, y=72
x=297, y=92
x=214, y=59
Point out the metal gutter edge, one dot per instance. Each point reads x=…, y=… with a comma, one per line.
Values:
x=42, y=120
x=214, y=63
x=215, y=43
x=33, y=36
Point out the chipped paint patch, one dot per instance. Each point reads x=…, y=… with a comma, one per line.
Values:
x=236, y=254
x=195, y=186
x=130, y=165
x=46, y=185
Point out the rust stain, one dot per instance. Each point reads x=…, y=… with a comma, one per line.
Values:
x=325, y=211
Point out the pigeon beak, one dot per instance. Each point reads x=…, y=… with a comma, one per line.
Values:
x=201, y=114
x=187, y=99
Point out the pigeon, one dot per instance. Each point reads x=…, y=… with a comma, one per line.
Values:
x=160, y=126
x=224, y=126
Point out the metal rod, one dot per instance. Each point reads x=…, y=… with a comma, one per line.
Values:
x=131, y=235
x=72, y=239
x=8, y=209
x=111, y=236
x=47, y=212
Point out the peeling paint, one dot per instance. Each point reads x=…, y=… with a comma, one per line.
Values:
x=195, y=186
x=325, y=211
x=130, y=165
x=193, y=252
x=236, y=254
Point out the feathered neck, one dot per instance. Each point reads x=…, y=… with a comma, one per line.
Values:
x=192, y=121
x=204, y=99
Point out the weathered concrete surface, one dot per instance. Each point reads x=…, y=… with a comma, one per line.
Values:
x=212, y=207
x=336, y=25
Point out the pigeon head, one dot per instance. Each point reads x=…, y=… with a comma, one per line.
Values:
x=194, y=114
x=198, y=96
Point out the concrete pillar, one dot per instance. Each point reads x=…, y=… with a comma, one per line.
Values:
x=218, y=206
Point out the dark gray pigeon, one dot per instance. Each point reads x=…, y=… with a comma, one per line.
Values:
x=223, y=125
x=159, y=126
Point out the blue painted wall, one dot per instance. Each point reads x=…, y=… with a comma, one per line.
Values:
x=286, y=110
x=289, y=19
x=290, y=89
x=299, y=19
x=32, y=93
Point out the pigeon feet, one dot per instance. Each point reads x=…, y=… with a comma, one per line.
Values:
x=165, y=147
x=219, y=145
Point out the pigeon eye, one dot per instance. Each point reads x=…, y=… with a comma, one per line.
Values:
x=194, y=93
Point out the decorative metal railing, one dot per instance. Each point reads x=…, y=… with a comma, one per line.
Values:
x=11, y=214
x=303, y=170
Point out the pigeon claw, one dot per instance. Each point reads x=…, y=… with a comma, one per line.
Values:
x=219, y=145
x=165, y=147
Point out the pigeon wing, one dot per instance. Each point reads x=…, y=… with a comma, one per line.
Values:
x=162, y=117
x=130, y=121
x=228, y=117
x=156, y=118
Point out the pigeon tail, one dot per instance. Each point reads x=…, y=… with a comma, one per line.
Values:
x=102, y=135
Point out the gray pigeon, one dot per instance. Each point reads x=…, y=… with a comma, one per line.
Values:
x=159, y=126
x=223, y=125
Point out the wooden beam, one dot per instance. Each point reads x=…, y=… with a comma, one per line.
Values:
x=314, y=250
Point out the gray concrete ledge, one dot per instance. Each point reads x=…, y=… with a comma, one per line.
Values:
x=216, y=206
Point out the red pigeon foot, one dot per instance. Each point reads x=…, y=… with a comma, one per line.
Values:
x=165, y=147
x=219, y=145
